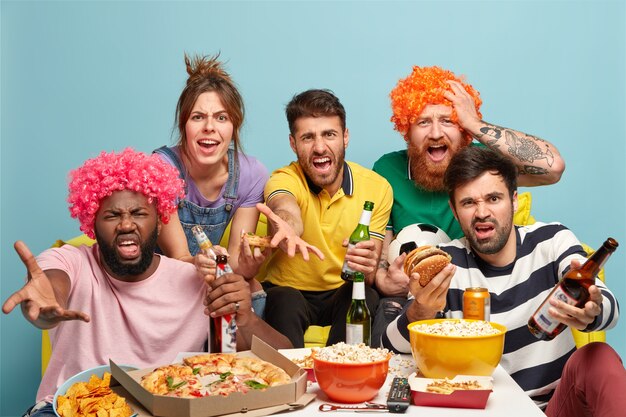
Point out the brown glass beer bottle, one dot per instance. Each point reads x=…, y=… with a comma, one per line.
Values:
x=571, y=289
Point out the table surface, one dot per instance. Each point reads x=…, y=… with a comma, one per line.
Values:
x=507, y=397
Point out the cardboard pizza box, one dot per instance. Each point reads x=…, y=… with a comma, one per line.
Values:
x=163, y=406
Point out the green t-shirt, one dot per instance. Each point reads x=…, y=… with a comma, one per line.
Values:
x=411, y=203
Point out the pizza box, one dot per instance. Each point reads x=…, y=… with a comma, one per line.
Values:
x=457, y=399
x=286, y=396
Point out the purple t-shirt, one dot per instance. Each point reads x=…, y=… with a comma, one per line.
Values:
x=252, y=178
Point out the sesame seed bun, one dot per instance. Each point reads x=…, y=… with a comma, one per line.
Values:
x=427, y=261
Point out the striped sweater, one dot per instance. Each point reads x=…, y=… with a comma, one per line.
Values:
x=544, y=253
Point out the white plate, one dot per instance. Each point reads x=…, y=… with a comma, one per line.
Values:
x=292, y=354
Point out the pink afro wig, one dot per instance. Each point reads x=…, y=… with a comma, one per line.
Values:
x=129, y=170
x=425, y=85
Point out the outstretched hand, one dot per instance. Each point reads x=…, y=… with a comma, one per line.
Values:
x=37, y=298
x=285, y=238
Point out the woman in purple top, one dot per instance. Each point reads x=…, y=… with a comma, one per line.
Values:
x=222, y=184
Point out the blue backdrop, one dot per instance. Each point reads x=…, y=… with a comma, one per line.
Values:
x=82, y=77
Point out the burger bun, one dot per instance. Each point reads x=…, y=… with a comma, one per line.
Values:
x=427, y=261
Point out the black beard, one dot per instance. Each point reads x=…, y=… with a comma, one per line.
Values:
x=493, y=246
x=113, y=261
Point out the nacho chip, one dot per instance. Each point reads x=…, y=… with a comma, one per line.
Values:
x=92, y=399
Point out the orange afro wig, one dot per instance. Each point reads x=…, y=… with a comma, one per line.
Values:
x=99, y=177
x=425, y=85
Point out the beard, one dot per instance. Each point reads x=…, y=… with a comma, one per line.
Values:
x=426, y=173
x=117, y=265
x=492, y=245
x=322, y=180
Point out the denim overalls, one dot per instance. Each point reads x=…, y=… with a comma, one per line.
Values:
x=213, y=220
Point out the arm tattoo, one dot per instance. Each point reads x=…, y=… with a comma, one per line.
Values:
x=526, y=150
x=532, y=170
x=493, y=144
x=490, y=130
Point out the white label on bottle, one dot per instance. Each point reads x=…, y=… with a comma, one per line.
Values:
x=229, y=333
x=354, y=334
x=366, y=217
x=345, y=268
x=358, y=291
x=543, y=318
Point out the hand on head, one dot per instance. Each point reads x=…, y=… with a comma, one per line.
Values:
x=37, y=298
x=463, y=105
x=285, y=238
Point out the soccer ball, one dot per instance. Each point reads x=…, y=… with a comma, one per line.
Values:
x=413, y=236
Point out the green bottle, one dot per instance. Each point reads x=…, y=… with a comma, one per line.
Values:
x=361, y=233
x=358, y=319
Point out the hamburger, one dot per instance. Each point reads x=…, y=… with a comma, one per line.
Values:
x=427, y=261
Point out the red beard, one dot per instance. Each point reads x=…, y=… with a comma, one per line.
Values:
x=424, y=172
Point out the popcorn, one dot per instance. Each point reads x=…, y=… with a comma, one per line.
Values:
x=461, y=328
x=345, y=353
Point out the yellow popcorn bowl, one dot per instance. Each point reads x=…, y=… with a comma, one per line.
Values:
x=442, y=356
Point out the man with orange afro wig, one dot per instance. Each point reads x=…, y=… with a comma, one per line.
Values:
x=117, y=299
x=438, y=113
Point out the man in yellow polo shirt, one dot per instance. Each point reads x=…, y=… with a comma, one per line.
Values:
x=314, y=204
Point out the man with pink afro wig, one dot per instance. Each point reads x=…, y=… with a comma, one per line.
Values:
x=129, y=170
x=118, y=299
x=437, y=113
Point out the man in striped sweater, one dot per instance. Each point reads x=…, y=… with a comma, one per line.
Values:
x=519, y=265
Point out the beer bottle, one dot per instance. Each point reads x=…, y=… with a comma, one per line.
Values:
x=222, y=333
x=358, y=319
x=361, y=233
x=572, y=289
x=225, y=335
x=203, y=241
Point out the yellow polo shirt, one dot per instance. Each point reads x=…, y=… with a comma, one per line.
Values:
x=327, y=222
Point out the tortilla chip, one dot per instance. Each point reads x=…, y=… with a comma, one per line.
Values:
x=92, y=399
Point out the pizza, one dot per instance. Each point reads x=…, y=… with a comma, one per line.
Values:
x=261, y=242
x=213, y=374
